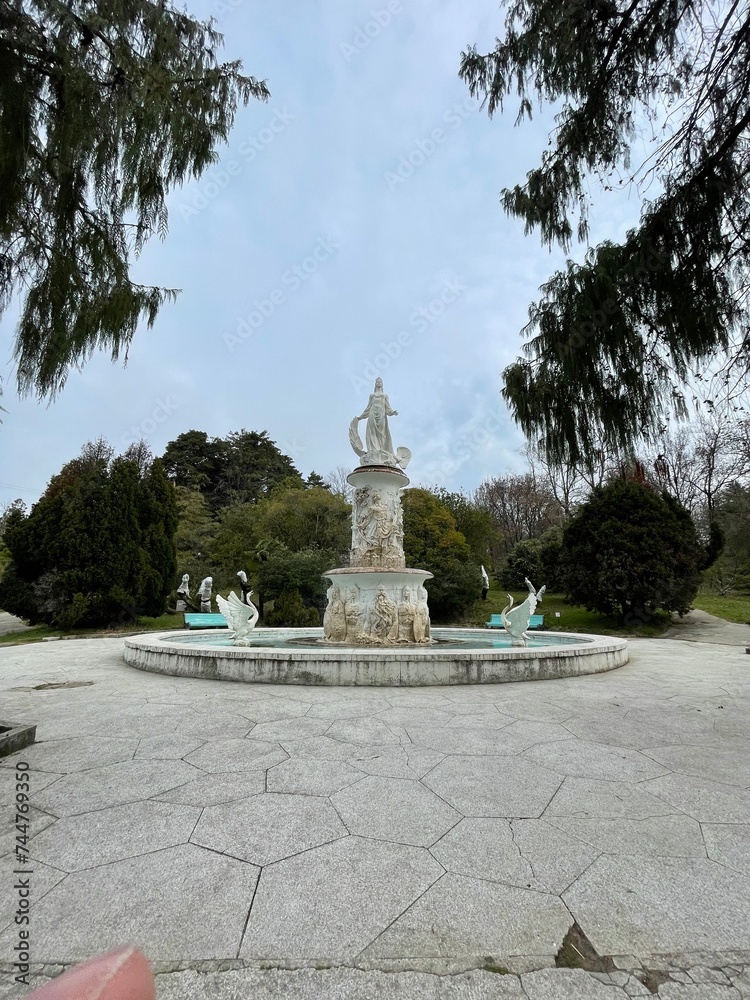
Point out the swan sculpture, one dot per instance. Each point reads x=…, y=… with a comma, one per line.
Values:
x=240, y=617
x=516, y=620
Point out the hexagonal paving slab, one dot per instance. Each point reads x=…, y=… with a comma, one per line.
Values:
x=311, y=777
x=268, y=827
x=493, y=786
x=98, y=838
x=327, y=904
x=63, y=756
x=466, y=918
x=236, y=755
x=115, y=784
x=395, y=809
x=184, y=901
x=594, y=760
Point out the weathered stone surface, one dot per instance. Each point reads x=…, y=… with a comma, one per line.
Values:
x=567, y=984
x=593, y=760
x=44, y=879
x=468, y=918
x=671, y=836
x=266, y=828
x=311, y=777
x=729, y=845
x=643, y=905
x=37, y=821
x=211, y=789
x=328, y=904
x=115, y=784
x=701, y=798
x=556, y=858
x=63, y=756
x=288, y=729
x=584, y=797
x=236, y=755
x=484, y=848
x=493, y=786
x=169, y=747
x=404, y=812
x=98, y=838
x=173, y=903
x=724, y=766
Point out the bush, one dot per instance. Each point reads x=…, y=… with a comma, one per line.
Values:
x=524, y=562
x=631, y=550
x=289, y=611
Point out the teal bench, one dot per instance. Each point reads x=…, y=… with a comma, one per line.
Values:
x=205, y=621
x=496, y=621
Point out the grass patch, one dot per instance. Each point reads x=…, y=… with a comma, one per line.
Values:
x=39, y=632
x=573, y=618
x=735, y=608
x=491, y=966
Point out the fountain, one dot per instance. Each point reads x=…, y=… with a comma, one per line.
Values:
x=376, y=626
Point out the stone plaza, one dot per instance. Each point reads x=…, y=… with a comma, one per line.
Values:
x=260, y=841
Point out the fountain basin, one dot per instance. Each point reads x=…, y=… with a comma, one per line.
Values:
x=297, y=656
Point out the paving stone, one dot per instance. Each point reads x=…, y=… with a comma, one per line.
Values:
x=352, y=708
x=702, y=991
x=274, y=709
x=37, y=821
x=37, y=781
x=336, y=984
x=222, y=725
x=97, y=838
x=729, y=845
x=607, y=799
x=311, y=777
x=396, y=761
x=702, y=799
x=701, y=974
x=484, y=848
x=222, y=755
x=649, y=906
x=556, y=858
x=63, y=756
x=461, y=917
x=493, y=786
x=666, y=836
x=567, y=984
x=593, y=760
x=266, y=828
x=43, y=879
x=212, y=789
x=183, y=901
x=321, y=748
x=115, y=784
x=405, y=716
x=471, y=740
x=170, y=747
x=370, y=732
x=724, y=766
x=288, y=729
x=393, y=809
x=331, y=902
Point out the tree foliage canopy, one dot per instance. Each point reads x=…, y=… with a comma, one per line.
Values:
x=97, y=545
x=614, y=339
x=104, y=106
x=631, y=550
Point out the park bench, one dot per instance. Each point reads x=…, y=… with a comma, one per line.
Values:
x=205, y=621
x=496, y=621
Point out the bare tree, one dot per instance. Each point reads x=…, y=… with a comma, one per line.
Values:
x=337, y=482
x=520, y=505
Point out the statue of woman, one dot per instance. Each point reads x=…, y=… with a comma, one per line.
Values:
x=353, y=614
x=406, y=612
x=377, y=436
x=334, y=619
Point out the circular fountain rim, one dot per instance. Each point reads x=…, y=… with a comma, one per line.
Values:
x=374, y=666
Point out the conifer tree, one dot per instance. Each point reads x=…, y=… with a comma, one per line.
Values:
x=614, y=339
x=104, y=107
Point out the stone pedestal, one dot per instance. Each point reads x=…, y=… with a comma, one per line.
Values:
x=377, y=600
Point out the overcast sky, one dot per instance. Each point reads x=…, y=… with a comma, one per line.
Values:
x=351, y=229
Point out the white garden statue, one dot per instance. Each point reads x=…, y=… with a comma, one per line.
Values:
x=516, y=620
x=240, y=617
x=378, y=448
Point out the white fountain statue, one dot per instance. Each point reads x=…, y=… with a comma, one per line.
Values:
x=377, y=600
x=516, y=621
x=241, y=617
